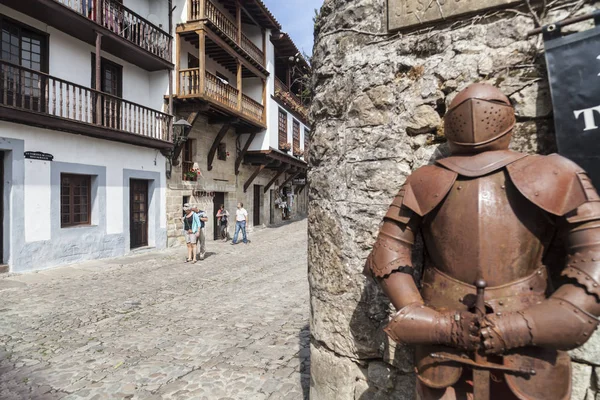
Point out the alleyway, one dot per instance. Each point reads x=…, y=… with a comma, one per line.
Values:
x=150, y=326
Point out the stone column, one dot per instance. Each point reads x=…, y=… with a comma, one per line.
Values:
x=377, y=113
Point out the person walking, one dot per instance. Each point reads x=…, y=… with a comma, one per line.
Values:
x=201, y=245
x=191, y=228
x=222, y=220
x=241, y=220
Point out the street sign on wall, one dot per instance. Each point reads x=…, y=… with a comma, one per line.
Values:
x=573, y=63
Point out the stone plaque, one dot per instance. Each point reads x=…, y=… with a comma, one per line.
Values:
x=406, y=13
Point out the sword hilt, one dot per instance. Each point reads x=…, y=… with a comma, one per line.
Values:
x=480, y=284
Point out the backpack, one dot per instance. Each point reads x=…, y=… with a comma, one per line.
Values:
x=223, y=219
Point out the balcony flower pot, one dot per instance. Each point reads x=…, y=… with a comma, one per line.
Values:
x=298, y=152
x=285, y=146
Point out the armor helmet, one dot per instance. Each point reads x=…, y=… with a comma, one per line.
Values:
x=480, y=119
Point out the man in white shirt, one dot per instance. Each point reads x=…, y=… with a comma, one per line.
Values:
x=241, y=219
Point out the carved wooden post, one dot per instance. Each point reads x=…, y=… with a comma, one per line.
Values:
x=98, y=82
x=202, y=60
x=238, y=15
x=264, y=101
x=177, y=63
x=239, y=84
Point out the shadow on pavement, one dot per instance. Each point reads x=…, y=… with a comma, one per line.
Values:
x=304, y=355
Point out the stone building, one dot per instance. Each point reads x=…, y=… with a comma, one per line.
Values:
x=238, y=83
x=377, y=113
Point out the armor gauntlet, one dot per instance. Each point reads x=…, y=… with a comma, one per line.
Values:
x=569, y=317
x=418, y=324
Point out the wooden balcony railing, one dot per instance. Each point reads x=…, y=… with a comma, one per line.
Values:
x=189, y=82
x=253, y=50
x=125, y=23
x=222, y=22
x=218, y=91
x=252, y=108
x=29, y=90
x=286, y=95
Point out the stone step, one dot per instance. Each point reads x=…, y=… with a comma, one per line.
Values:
x=3, y=269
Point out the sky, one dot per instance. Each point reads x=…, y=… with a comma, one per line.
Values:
x=296, y=18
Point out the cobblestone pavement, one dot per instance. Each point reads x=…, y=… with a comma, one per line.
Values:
x=149, y=326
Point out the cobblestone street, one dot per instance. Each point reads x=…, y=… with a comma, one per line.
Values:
x=150, y=326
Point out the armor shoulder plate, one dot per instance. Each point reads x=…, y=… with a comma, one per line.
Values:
x=552, y=182
x=426, y=188
x=480, y=164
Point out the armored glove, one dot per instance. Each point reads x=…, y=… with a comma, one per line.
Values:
x=554, y=323
x=418, y=324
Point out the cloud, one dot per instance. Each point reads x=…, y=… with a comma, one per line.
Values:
x=296, y=18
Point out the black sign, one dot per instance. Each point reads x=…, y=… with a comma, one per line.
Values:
x=574, y=73
x=299, y=181
x=38, y=155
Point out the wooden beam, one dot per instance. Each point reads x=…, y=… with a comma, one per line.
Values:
x=223, y=120
x=215, y=145
x=202, y=58
x=239, y=82
x=277, y=175
x=240, y=157
x=238, y=15
x=292, y=176
x=202, y=7
x=252, y=177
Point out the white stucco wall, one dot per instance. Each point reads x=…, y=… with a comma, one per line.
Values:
x=254, y=33
x=115, y=157
x=71, y=59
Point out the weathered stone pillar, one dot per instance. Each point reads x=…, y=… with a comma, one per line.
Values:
x=377, y=114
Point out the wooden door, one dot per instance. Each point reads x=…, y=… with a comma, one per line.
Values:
x=256, y=209
x=138, y=213
x=217, y=201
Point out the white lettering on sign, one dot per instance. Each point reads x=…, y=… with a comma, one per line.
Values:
x=588, y=117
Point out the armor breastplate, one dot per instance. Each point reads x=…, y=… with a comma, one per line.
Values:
x=485, y=228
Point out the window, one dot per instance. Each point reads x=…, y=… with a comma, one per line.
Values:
x=28, y=48
x=222, y=151
x=193, y=61
x=187, y=161
x=282, y=128
x=222, y=78
x=111, y=76
x=296, y=135
x=23, y=46
x=75, y=200
x=306, y=138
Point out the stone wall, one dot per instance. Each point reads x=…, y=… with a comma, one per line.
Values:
x=377, y=116
x=221, y=178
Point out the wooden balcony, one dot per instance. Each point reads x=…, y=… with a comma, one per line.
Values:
x=34, y=98
x=206, y=11
x=224, y=96
x=125, y=34
x=290, y=100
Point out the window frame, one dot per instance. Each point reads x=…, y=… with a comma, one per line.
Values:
x=306, y=138
x=44, y=42
x=282, y=128
x=71, y=223
x=295, y=133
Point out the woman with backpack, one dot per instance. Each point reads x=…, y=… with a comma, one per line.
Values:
x=222, y=220
x=191, y=230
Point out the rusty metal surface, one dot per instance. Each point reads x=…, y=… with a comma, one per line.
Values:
x=485, y=228
x=426, y=188
x=443, y=292
x=480, y=164
x=550, y=182
x=478, y=116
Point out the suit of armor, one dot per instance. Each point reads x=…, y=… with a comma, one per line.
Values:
x=490, y=214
